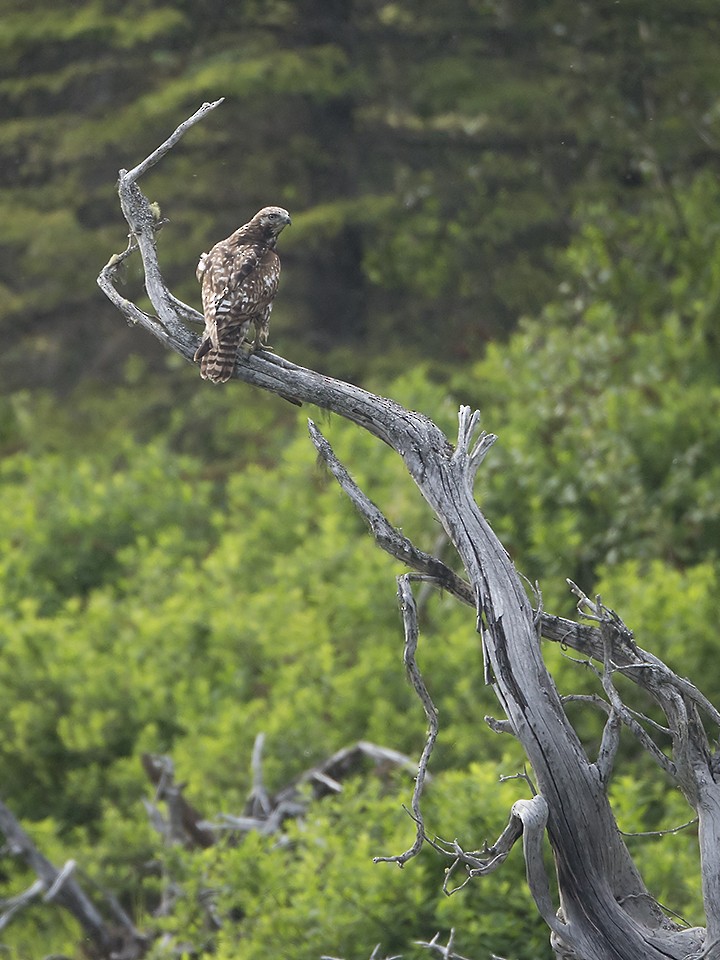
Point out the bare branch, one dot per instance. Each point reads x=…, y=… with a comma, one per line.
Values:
x=375, y=955
x=661, y=833
x=142, y=168
x=12, y=905
x=387, y=536
x=520, y=776
x=409, y=612
x=259, y=803
x=585, y=639
x=582, y=638
x=292, y=800
x=62, y=887
x=446, y=950
x=478, y=863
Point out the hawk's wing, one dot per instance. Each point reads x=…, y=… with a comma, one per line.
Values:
x=238, y=282
x=238, y=285
x=236, y=296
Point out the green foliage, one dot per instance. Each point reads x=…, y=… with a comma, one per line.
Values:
x=327, y=895
x=170, y=603
x=154, y=608
x=66, y=555
x=672, y=613
x=607, y=404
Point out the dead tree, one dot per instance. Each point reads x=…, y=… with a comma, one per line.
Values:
x=604, y=911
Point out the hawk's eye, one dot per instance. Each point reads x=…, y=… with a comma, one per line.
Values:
x=273, y=216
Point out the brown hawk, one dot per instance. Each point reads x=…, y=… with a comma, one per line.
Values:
x=239, y=280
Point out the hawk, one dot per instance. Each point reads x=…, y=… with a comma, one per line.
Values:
x=239, y=280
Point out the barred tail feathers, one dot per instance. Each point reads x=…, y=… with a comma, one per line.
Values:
x=217, y=363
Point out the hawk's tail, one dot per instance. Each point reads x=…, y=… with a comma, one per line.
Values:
x=217, y=363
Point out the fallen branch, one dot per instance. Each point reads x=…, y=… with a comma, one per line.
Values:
x=119, y=940
x=445, y=950
x=184, y=822
x=264, y=812
x=12, y=905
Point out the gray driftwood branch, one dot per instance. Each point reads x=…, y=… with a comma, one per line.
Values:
x=116, y=938
x=265, y=813
x=604, y=910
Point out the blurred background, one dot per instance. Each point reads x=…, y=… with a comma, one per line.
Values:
x=433, y=158
x=496, y=202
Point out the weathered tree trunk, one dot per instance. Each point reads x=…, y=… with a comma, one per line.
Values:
x=605, y=911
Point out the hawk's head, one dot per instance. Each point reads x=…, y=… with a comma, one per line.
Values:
x=271, y=220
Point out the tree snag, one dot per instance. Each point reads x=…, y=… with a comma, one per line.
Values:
x=605, y=911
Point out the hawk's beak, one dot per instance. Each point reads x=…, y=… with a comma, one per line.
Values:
x=289, y=220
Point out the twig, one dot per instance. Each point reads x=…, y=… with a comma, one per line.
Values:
x=661, y=833
x=520, y=776
x=409, y=612
x=611, y=627
x=59, y=881
x=388, y=537
x=445, y=950
x=142, y=168
x=375, y=955
x=591, y=698
x=12, y=905
x=478, y=863
x=259, y=804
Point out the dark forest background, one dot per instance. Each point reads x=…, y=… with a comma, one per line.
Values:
x=502, y=203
